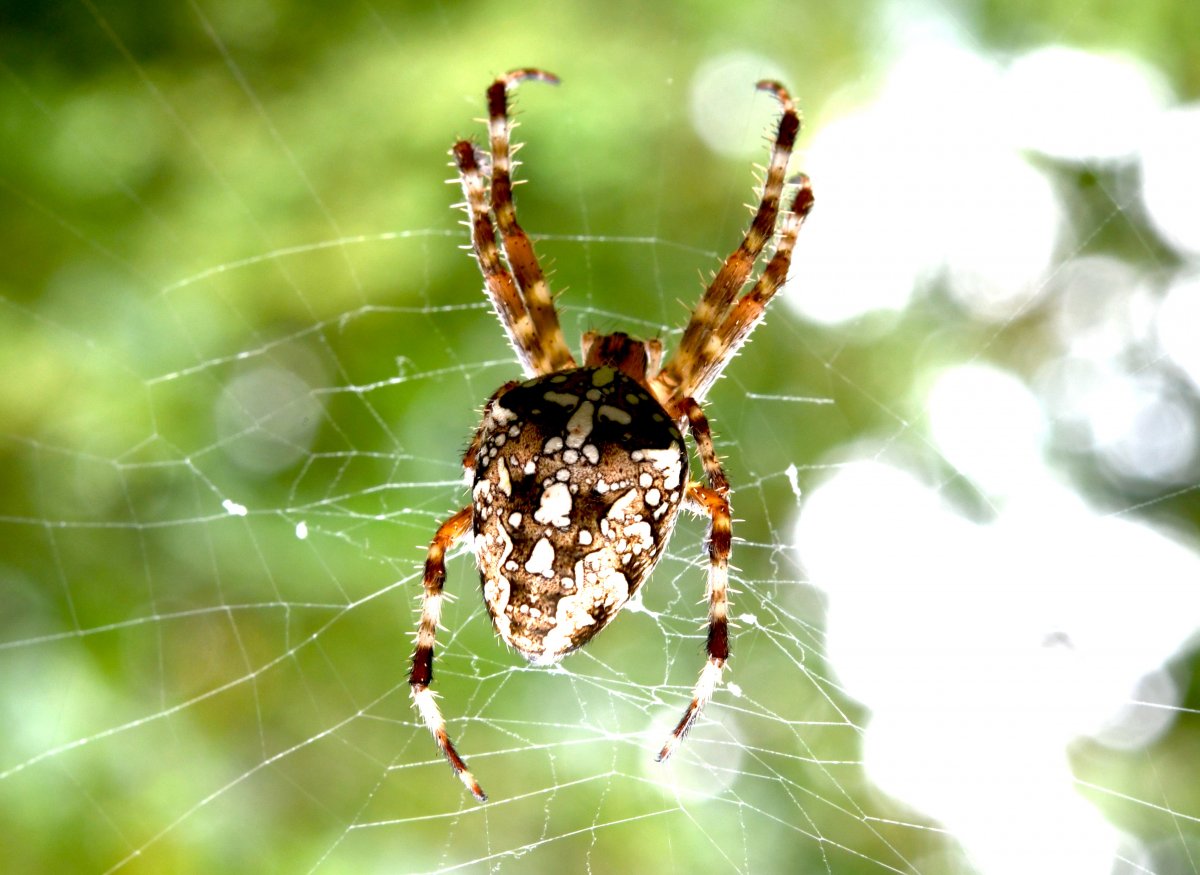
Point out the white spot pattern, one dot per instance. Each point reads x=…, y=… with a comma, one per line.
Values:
x=541, y=560
x=555, y=507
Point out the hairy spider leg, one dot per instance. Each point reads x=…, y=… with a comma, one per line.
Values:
x=517, y=247
x=702, y=435
x=724, y=340
x=720, y=543
x=729, y=280
x=720, y=323
x=422, y=661
x=498, y=282
x=713, y=502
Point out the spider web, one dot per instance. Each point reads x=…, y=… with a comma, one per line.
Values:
x=243, y=354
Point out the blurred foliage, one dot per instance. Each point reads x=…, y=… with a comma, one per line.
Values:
x=191, y=193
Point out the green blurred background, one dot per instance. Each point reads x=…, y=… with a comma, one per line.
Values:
x=242, y=352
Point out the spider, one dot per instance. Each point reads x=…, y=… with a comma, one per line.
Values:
x=577, y=474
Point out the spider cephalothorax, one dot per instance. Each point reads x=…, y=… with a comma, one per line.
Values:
x=577, y=474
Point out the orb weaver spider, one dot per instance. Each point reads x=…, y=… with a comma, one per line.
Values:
x=578, y=473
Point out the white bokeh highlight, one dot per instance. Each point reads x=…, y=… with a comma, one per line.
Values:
x=267, y=419
x=984, y=649
x=1112, y=392
x=720, y=100
x=1171, y=176
x=921, y=182
x=1075, y=105
x=1177, y=322
x=988, y=425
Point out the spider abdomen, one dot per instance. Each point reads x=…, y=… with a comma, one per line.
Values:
x=577, y=483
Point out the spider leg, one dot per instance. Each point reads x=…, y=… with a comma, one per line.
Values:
x=724, y=340
x=702, y=435
x=422, y=661
x=517, y=246
x=713, y=501
x=498, y=282
x=721, y=293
